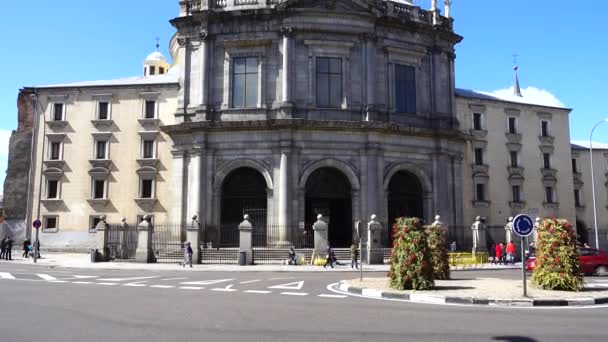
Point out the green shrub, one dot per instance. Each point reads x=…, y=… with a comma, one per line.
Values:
x=557, y=265
x=410, y=267
x=438, y=252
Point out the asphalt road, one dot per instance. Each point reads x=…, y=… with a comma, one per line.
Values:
x=42, y=304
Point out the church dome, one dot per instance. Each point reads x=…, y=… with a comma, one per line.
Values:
x=155, y=57
x=156, y=64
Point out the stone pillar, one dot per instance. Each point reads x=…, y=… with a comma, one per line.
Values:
x=184, y=75
x=193, y=231
x=177, y=187
x=447, y=8
x=124, y=238
x=284, y=218
x=374, y=242
x=203, y=76
x=286, y=103
x=102, y=239
x=320, y=229
x=434, y=11
x=144, y=252
x=537, y=224
x=194, y=183
x=370, y=68
x=245, y=243
x=509, y=230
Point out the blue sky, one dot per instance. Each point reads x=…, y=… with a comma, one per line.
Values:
x=561, y=46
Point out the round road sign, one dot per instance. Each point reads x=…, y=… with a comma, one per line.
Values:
x=523, y=225
x=37, y=224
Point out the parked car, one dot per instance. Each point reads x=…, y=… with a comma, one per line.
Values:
x=592, y=261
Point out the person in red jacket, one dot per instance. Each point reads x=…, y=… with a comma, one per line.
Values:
x=498, y=253
x=511, y=252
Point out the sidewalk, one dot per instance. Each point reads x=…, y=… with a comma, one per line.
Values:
x=479, y=291
x=75, y=260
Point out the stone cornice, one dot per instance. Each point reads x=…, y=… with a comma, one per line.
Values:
x=310, y=125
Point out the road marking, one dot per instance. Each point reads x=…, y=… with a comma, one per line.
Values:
x=58, y=281
x=173, y=279
x=162, y=286
x=596, y=286
x=6, y=275
x=83, y=277
x=225, y=289
x=257, y=291
x=332, y=296
x=206, y=282
x=82, y=282
x=191, y=288
x=289, y=286
x=135, y=285
x=126, y=279
x=294, y=293
x=250, y=281
x=106, y=284
x=46, y=277
x=281, y=278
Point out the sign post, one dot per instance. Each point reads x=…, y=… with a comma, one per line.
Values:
x=359, y=236
x=36, y=224
x=523, y=226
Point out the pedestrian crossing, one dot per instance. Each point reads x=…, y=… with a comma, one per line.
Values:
x=281, y=286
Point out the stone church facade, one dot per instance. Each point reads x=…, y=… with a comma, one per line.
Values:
x=284, y=109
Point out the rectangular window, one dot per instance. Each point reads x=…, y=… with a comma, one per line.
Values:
x=477, y=121
x=516, y=193
x=514, y=159
x=50, y=222
x=146, y=188
x=58, y=112
x=152, y=70
x=480, y=192
x=52, y=189
x=544, y=128
x=99, y=189
x=161, y=71
x=103, y=111
x=245, y=82
x=55, y=151
x=512, y=126
x=150, y=110
x=479, y=156
x=329, y=82
x=405, y=89
x=101, y=149
x=577, y=198
x=148, y=149
x=549, y=194
x=574, y=166
x=546, y=160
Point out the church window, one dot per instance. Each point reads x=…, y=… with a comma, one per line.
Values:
x=479, y=156
x=150, y=109
x=58, y=112
x=512, y=126
x=477, y=122
x=329, y=82
x=103, y=111
x=516, y=190
x=405, y=89
x=480, y=192
x=244, y=82
x=514, y=159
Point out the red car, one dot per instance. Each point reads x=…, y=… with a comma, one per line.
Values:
x=593, y=261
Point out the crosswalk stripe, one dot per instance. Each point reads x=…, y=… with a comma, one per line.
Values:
x=82, y=282
x=46, y=277
x=294, y=293
x=331, y=296
x=162, y=286
x=135, y=285
x=191, y=288
x=6, y=275
x=107, y=284
x=226, y=289
x=58, y=281
x=257, y=291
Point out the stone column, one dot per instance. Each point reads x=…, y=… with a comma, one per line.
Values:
x=194, y=183
x=203, y=81
x=177, y=187
x=284, y=218
x=478, y=231
x=370, y=46
x=193, y=231
x=124, y=238
x=144, y=252
x=184, y=76
x=285, y=81
x=374, y=182
x=374, y=242
x=102, y=239
x=320, y=229
x=245, y=243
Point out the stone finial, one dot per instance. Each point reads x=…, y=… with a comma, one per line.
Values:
x=447, y=4
x=374, y=217
x=477, y=218
x=510, y=219
x=538, y=220
x=102, y=218
x=437, y=217
x=195, y=218
x=320, y=217
x=123, y=220
x=147, y=218
x=246, y=217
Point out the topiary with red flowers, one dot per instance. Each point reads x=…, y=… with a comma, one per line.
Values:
x=438, y=252
x=557, y=265
x=411, y=267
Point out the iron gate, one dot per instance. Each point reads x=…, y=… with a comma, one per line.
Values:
x=167, y=242
x=122, y=241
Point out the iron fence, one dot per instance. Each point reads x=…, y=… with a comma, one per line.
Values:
x=122, y=241
x=168, y=242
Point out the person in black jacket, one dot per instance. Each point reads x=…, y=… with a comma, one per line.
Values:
x=8, y=249
x=2, y=247
x=26, y=248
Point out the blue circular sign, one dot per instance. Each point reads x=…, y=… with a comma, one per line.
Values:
x=37, y=224
x=523, y=225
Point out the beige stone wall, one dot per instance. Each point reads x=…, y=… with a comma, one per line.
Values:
x=495, y=143
x=74, y=208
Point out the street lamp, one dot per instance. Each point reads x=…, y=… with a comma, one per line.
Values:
x=597, y=243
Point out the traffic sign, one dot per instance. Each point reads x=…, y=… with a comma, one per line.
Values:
x=37, y=224
x=523, y=225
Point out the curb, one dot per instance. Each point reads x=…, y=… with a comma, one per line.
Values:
x=435, y=299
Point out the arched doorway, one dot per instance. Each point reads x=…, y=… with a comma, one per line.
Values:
x=328, y=192
x=243, y=192
x=404, y=197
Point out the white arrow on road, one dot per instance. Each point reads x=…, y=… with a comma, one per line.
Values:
x=6, y=275
x=206, y=282
x=289, y=286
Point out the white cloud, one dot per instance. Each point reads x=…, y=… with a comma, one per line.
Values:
x=4, y=138
x=531, y=95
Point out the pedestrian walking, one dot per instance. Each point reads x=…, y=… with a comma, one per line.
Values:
x=292, y=258
x=511, y=252
x=453, y=247
x=187, y=254
x=2, y=247
x=9, y=249
x=26, y=248
x=330, y=257
x=354, y=256
x=498, y=253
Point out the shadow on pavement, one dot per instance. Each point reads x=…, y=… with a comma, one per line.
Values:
x=514, y=339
